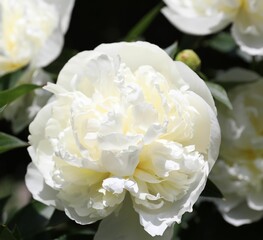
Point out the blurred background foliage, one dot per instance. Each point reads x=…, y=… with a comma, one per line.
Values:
x=93, y=23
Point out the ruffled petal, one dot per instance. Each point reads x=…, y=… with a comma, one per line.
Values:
x=138, y=54
x=156, y=220
x=87, y=71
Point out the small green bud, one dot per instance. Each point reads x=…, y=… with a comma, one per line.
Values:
x=190, y=58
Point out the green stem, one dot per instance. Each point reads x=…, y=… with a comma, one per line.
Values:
x=143, y=24
x=254, y=63
x=176, y=231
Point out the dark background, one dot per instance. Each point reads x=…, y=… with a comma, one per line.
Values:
x=96, y=22
x=102, y=21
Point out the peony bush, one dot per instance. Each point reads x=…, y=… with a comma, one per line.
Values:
x=124, y=141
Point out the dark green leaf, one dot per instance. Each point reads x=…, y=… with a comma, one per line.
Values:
x=57, y=218
x=3, y=202
x=9, y=80
x=143, y=24
x=6, y=234
x=31, y=219
x=86, y=232
x=16, y=233
x=8, y=142
x=211, y=190
x=236, y=75
x=7, y=96
x=222, y=42
x=219, y=93
x=172, y=50
x=189, y=42
x=63, y=237
x=2, y=108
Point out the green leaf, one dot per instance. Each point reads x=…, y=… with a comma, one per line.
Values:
x=9, y=95
x=189, y=42
x=57, y=218
x=8, y=142
x=236, y=76
x=143, y=24
x=222, y=42
x=10, y=79
x=219, y=93
x=86, y=232
x=211, y=190
x=6, y=234
x=32, y=219
x=3, y=202
x=16, y=233
x=63, y=237
x=2, y=108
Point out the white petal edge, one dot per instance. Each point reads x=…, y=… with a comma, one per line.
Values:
x=242, y=214
x=78, y=69
x=39, y=189
x=137, y=54
x=196, y=25
x=64, y=8
x=255, y=200
x=249, y=43
x=37, y=127
x=196, y=84
x=155, y=222
x=50, y=51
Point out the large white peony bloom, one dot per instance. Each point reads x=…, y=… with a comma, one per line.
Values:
x=130, y=136
x=32, y=32
x=239, y=171
x=201, y=17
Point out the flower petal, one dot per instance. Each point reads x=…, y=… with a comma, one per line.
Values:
x=50, y=51
x=145, y=54
x=196, y=84
x=39, y=189
x=242, y=214
x=198, y=25
x=255, y=200
x=157, y=220
x=248, y=35
x=65, y=8
x=89, y=70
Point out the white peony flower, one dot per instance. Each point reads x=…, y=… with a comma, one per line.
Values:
x=130, y=136
x=201, y=17
x=32, y=32
x=239, y=172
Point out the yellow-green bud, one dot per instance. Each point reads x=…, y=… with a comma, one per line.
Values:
x=190, y=58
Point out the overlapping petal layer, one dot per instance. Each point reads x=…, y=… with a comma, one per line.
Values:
x=127, y=127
